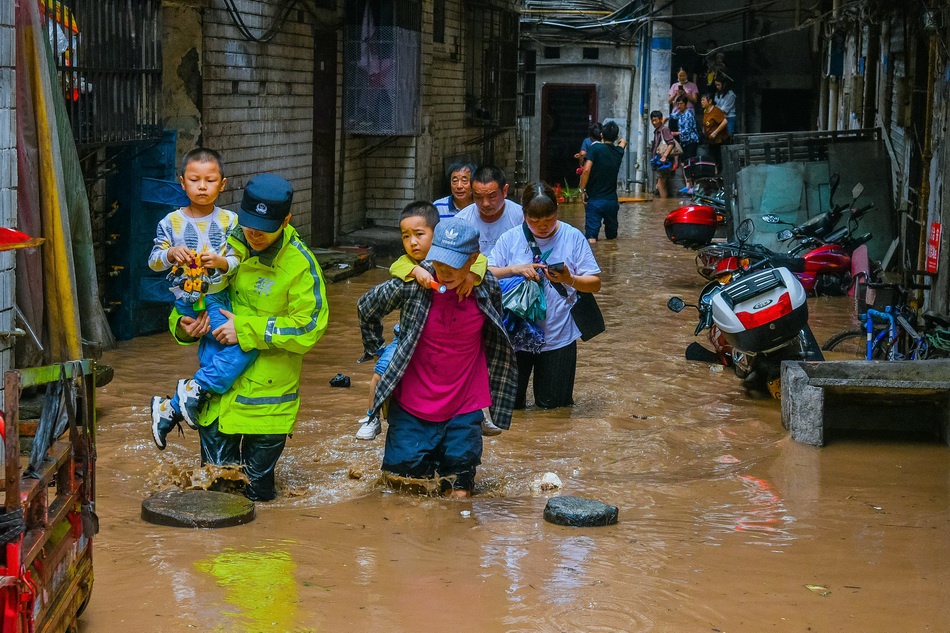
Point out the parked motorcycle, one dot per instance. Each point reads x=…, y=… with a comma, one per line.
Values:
x=757, y=316
x=694, y=225
x=821, y=255
x=826, y=248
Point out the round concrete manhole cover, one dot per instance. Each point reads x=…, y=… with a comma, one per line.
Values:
x=197, y=509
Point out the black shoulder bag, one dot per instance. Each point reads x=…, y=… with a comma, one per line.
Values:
x=585, y=311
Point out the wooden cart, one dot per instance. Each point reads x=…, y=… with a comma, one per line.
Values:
x=46, y=561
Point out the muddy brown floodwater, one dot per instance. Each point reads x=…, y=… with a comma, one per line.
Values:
x=725, y=523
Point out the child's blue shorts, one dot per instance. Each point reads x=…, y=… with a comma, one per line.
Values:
x=385, y=357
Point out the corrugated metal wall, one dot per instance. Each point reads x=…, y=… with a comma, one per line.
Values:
x=8, y=179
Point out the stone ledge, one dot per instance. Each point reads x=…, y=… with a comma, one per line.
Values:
x=865, y=396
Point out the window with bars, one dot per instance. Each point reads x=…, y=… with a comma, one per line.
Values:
x=491, y=90
x=382, y=58
x=108, y=57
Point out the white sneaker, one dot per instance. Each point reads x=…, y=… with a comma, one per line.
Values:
x=488, y=427
x=191, y=399
x=370, y=427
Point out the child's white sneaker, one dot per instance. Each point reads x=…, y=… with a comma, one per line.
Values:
x=164, y=420
x=192, y=399
x=370, y=427
x=488, y=427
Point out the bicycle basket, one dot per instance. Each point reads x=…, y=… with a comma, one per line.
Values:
x=877, y=296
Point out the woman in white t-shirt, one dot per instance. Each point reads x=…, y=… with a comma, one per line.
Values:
x=569, y=266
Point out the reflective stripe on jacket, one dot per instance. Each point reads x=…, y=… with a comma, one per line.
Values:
x=279, y=300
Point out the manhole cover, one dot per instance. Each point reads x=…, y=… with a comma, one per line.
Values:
x=197, y=509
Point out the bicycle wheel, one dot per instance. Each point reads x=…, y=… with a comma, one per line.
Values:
x=846, y=339
x=854, y=344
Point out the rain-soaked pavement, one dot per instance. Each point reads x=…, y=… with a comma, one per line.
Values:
x=725, y=523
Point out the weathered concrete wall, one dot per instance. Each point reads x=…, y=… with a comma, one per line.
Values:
x=257, y=100
x=8, y=175
x=939, y=203
x=182, y=73
x=614, y=76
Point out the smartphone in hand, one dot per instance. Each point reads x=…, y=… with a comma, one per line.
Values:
x=558, y=267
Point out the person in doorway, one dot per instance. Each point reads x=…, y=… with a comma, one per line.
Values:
x=492, y=213
x=280, y=308
x=594, y=135
x=453, y=359
x=570, y=268
x=598, y=184
x=715, y=129
x=460, y=181
x=660, y=150
x=726, y=101
x=688, y=137
x=683, y=87
x=192, y=242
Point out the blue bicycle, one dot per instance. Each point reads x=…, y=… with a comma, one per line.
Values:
x=885, y=335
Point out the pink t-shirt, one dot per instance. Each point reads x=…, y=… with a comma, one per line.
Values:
x=448, y=372
x=690, y=88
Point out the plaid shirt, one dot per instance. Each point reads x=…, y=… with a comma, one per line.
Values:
x=415, y=301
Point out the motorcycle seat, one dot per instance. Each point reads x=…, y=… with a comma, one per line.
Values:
x=794, y=264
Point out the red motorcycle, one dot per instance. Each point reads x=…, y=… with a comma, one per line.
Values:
x=820, y=257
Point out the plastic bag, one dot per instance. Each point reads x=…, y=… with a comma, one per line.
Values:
x=524, y=335
x=527, y=301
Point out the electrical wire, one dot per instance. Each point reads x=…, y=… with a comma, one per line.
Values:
x=805, y=24
x=269, y=34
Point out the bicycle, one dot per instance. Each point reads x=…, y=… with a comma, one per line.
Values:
x=896, y=339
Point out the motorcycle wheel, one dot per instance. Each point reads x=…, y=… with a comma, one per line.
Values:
x=763, y=376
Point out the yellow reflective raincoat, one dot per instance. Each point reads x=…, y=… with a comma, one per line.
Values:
x=279, y=300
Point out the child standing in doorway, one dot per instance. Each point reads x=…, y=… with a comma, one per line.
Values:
x=192, y=241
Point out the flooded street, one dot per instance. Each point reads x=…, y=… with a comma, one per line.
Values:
x=725, y=523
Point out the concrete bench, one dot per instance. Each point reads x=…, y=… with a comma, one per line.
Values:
x=865, y=395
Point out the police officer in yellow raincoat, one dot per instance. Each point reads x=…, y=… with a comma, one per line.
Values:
x=279, y=301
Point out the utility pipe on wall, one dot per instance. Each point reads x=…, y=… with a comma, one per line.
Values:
x=833, y=103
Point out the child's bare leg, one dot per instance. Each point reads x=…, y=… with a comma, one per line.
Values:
x=373, y=382
x=370, y=425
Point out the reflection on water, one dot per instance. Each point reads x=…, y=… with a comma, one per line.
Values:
x=760, y=515
x=723, y=519
x=260, y=588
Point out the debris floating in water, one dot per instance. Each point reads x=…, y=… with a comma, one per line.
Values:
x=546, y=483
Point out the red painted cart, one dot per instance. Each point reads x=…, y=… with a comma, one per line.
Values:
x=49, y=520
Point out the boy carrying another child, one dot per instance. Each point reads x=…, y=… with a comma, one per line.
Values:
x=192, y=241
x=416, y=224
x=453, y=359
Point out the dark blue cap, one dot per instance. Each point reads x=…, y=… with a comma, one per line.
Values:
x=266, y=202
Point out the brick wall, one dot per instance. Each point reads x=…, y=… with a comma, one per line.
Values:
x=382, y=175
x=257, y=105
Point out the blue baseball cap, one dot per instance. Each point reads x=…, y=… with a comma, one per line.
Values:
x=266, y=202
x=453, y=242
